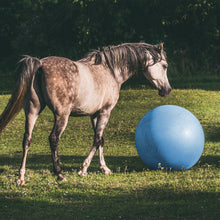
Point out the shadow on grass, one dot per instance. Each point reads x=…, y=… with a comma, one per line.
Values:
x=118, y=164
x=71, y=163
x=150, y=202
x=212, y=132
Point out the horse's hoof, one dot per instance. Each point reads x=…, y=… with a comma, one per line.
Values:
x=82, y=174
x=20, y=182
x=61, y=178
x=106, y=171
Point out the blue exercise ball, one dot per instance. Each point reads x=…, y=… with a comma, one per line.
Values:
x=169, y=137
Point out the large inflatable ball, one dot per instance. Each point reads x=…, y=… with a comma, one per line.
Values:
x=169, y=137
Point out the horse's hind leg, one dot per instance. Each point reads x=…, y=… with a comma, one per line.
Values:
x=31, y=112
x=59, y=126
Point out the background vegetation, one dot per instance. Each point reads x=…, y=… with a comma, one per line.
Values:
x=71, y=28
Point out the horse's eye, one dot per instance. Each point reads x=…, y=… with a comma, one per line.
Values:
x=165, y=66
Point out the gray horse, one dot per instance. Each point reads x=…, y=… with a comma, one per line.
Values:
x=89, y=86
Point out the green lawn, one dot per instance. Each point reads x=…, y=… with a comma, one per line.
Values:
x=132, y=191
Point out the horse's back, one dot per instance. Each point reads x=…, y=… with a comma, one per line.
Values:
x=76, y=88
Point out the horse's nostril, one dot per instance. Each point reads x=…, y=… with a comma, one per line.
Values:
x=165, y=91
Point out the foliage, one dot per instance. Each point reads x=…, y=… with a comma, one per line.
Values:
x=133, y=191
x=71, y=28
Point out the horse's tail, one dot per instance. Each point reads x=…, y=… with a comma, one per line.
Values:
x=27, y=67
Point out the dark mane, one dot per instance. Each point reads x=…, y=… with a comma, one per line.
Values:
x=130, y=57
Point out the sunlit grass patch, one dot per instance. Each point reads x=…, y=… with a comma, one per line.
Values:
x=133, y=191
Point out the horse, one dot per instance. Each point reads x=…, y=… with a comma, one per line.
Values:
x=87, y=87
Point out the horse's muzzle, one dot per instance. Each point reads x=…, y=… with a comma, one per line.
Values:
x=165, y=92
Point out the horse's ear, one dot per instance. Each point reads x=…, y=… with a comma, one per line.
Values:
x=160, y=46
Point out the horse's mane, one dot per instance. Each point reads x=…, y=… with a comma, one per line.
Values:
x=131, y=57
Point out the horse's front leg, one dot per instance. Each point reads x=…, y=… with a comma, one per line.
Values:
x=99, y=122
x=104, y=168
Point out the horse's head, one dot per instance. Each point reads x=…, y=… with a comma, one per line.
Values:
x=156, y=71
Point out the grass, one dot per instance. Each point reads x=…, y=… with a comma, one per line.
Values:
x=132, y=191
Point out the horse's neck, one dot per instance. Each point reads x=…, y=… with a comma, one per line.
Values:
x=122, y=76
